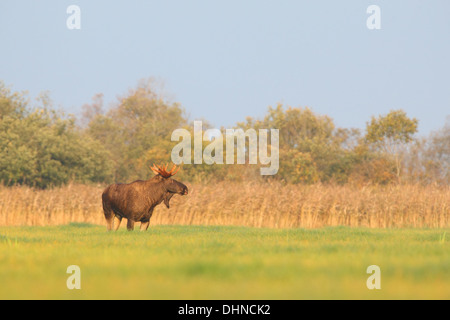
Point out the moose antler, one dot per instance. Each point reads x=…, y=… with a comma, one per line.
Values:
x=163, y=170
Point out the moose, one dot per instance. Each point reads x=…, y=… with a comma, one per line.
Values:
x=135, y=201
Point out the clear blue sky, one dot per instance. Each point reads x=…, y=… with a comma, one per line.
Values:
x=225, y=60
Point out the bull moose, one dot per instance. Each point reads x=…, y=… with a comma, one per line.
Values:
x=135, y=201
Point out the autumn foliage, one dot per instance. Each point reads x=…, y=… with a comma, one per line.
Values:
x=42, y=147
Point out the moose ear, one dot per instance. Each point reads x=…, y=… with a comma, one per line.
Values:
x=167, y=198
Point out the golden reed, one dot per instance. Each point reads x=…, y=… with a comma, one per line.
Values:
x=272, y=205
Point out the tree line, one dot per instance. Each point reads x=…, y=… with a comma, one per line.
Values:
x=43, y=147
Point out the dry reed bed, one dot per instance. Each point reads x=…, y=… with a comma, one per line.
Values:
x=248, y=204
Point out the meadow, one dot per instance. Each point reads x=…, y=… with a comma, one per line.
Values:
x=223, y=262
x=230, y=241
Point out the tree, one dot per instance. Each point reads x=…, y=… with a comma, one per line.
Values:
x=298, y=167
x=136, y=130
x=311, y=147
x=12, y=104
x=390, y=134
x=438, y=154
x=42, y=147
x=428, y=160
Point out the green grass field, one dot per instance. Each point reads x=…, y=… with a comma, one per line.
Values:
x=190, y=262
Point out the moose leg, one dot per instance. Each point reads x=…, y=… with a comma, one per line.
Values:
x=145, y=222
x=109, y=224
x=109, y=217
x=144, y=225
x=117, y=221
x=130, y=225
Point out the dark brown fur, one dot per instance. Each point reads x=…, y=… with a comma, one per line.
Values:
x=135, y=201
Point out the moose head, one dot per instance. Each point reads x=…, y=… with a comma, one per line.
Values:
x=170, y=185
